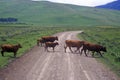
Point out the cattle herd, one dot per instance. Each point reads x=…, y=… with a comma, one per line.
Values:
x=50, y=41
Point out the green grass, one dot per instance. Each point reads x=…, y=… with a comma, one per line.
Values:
x=108, y=37
x=53, y=14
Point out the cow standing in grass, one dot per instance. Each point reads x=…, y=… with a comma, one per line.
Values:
x=93, y=47
x=10, y=48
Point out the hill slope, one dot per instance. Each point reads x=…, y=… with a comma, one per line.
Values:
x=47, y=13
x=113, y=5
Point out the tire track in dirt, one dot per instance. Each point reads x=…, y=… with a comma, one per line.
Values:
x=43, y=64
x=70, y=63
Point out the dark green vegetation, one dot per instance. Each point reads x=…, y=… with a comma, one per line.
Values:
x=110, y=38
x=7, y=20
x=45, y=13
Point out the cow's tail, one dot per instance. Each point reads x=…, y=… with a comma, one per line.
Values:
x=0, y=47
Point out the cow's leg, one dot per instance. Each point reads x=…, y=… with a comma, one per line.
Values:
x=37, y=43
x=70, y=49
x=53, y=49
x=79, y=51
x=2, y=53
x=93, y=53
x=82, y=51
x=65, y=48
x=100, y=54
x=85, y=52
x=15, y=54
x=46, y=48
x=41, y=44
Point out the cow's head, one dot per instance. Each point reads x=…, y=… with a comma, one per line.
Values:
x=104, y=49
x=19, y=46
x=56, y=43
x=56, y=38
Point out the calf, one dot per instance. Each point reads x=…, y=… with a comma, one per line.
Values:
x=49, y=38
x=10, y=48
x=73, y=43
x=93, y=47
x=40, y=41
x=50, y=44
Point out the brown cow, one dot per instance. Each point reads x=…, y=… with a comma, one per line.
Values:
x=49, y=38
x=93, y=47
x=50, y=44
x=40, y=41
x=73, y=43
x=10, y=48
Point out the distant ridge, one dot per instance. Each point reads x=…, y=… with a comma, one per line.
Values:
x=113, y=5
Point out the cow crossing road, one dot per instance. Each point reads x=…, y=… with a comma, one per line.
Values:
x=38, y=64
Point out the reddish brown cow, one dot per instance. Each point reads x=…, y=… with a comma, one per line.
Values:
x=10, y=48
x=49, y=39
x=93, y=47
x=40, y=41
x=73, y=43
x=50, y=44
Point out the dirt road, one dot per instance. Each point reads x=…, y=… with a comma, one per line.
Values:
x=40, y=65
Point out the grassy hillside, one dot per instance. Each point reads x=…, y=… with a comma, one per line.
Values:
x=47, y=13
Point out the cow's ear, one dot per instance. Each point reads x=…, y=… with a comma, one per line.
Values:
x=56, y=37
x=104, y=47
x=99, y=42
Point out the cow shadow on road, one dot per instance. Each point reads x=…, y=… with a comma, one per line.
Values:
x=88, y=55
